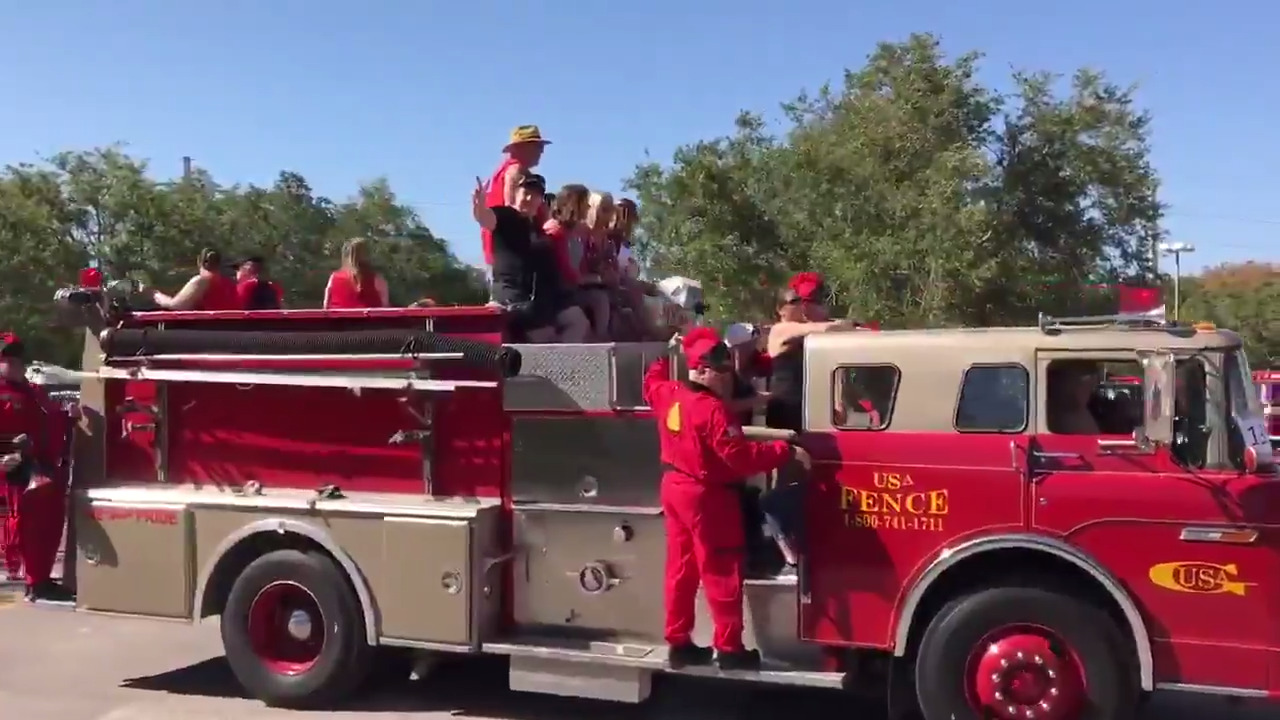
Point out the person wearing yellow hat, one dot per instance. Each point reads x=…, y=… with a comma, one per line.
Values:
x=521, y=154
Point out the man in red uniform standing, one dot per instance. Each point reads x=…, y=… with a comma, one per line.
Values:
x=706, y=458
x=520, y=156
x=33, y=444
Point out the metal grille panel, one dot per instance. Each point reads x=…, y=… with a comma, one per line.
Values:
x=580, y=377
x=560, y=377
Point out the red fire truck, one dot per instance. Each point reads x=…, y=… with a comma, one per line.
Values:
x=334, y=484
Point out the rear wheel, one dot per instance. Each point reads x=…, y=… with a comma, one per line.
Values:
x=293, y=631
x=1023, y=653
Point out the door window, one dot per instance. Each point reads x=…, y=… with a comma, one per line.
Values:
x=1104, y=397
x=863, y=396
x=1093, y=397
x=993, y=399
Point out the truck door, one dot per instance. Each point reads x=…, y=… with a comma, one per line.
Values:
x=916, y=458
x=1172, y=529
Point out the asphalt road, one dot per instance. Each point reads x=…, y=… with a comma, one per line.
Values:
x=56, y=664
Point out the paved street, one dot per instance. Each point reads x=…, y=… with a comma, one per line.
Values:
x=56, y=664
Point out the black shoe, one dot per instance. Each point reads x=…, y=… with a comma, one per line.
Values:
x=738, y=660
x=679, y=656
x=49, y=591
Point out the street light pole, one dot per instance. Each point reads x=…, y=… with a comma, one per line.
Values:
x=1176, y=250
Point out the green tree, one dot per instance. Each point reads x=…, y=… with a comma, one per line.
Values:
x=923, y=197
x=1244, y=297
x=101, y=206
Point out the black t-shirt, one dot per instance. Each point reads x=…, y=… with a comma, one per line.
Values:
x=524, y=265
x=743, y=389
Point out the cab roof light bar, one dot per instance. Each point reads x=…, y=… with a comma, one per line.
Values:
x=1050, y=324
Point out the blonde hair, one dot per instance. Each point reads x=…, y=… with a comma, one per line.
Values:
x=356, y=262
x=624, y=221
x=599, y=202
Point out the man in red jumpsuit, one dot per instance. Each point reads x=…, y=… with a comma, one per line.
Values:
x=706, y=458
x=33, y=444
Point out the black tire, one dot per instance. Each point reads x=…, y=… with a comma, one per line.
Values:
x=942, y=660
x=341, y=664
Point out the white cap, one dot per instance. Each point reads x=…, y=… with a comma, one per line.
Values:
x=681, y=291
x=739, y=333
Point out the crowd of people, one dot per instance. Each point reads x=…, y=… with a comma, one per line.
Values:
x=561, y=265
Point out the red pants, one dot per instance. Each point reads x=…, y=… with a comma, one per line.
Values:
x=705, y=543
x=33, y=530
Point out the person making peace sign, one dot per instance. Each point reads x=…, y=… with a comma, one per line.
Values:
x=526, y=280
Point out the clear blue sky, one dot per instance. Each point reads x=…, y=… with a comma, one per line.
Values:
x=426, y=92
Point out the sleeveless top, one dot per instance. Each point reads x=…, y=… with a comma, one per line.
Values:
x=786, y=389
x=344, y=296
x=220, y=294
x=495, y=198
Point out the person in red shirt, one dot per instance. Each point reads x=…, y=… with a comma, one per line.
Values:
x=208, y=289
x=707, y=459
x=520, y=156
x=566, y=229
x=357, y=284
x=255, y=290
x=34, y=433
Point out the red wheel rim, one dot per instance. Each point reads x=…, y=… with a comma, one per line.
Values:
x=286, y=628
x=1024, y=672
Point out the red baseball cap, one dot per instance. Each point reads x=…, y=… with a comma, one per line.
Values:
x=703, y=348
x=807, y=286
x=11, y=345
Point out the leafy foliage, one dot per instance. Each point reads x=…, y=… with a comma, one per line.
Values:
x=923, y=197
x=1244, y=297
x=101, y=206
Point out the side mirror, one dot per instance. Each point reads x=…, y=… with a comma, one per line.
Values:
x=1158, y=389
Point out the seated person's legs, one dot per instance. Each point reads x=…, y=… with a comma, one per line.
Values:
x=571, y=325
x=595, y=302
x=546, y=334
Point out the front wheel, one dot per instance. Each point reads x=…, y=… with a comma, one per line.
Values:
x=1023, y=653
x=293, y=631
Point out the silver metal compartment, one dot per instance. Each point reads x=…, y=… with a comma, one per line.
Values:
x=591, y=460
x=589, y=573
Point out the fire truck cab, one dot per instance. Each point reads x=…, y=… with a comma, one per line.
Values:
x=333, y=484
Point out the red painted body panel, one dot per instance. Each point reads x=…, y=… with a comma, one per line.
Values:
x=310, y=437
x=882, y=506
x=130, y=437
x=1129, y=511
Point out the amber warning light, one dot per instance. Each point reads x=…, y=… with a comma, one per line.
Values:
x=91, y=278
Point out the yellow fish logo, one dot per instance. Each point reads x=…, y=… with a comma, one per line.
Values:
x=673, y=418
x=1198, y=577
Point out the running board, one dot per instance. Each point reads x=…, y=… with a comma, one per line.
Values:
x=621, y=671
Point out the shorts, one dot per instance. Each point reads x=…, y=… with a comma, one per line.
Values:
x=535, y=313
x=783, y=509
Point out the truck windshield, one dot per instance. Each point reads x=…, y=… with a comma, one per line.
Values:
x=1246, y=410
x=1245, y=402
